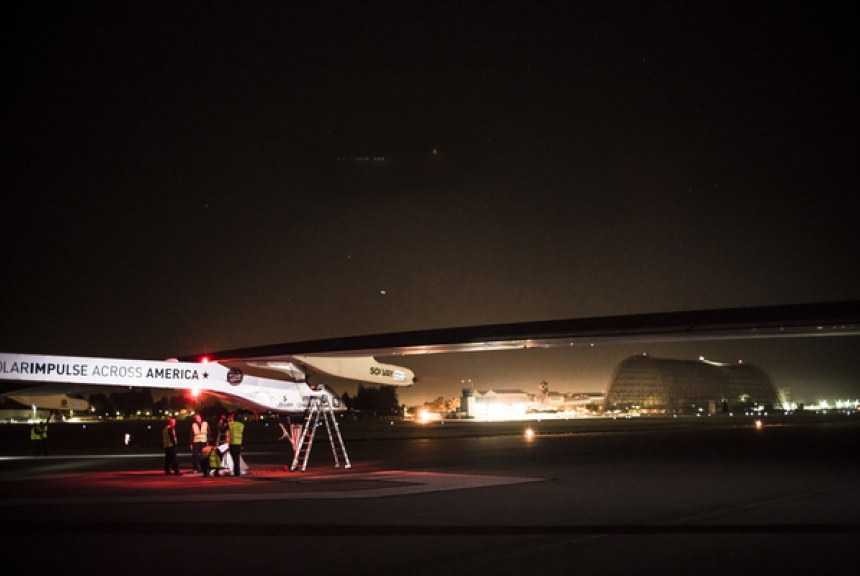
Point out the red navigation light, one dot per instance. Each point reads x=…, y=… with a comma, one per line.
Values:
x=205, y=360
x=195, y=392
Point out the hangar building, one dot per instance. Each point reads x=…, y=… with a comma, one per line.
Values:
x=660, y=385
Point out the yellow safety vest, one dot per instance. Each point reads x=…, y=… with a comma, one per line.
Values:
x=236, y=431
x=169, y=436
x=210, y=454
x=200, y=432
x=36, y=433
x=44, y=432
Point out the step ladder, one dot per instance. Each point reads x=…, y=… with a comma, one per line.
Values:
x=318, y=405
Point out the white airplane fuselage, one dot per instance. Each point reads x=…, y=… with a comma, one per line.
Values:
x=279, y=386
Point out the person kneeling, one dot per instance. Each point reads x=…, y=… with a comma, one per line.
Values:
x=210, y=461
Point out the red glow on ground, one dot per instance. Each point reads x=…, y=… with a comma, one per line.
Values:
x=154, y=482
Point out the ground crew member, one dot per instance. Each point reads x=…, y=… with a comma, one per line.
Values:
x=210, y=462
x=199, y=437
x=45, y=437
x=222, y=426
x=236, y=438
x=36, y=440
x=169, y=437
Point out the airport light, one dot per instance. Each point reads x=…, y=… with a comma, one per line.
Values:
x=530, y=434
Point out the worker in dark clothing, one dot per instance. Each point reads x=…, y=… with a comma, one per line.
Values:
x=221, y=429
x=170, y=443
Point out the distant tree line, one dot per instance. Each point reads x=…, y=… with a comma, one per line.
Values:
x=130, y=402
x=441, y=405
x=380, y=400
x=377, y=399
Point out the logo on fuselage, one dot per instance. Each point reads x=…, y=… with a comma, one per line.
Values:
x=234, y=377
x=396, y=375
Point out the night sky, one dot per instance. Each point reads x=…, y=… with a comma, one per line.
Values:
x=181, y=177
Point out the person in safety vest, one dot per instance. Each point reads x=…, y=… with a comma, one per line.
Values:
x=236, y=438
x=210, y=462
x=199, y=437
x=37, y=440
x=169, y=437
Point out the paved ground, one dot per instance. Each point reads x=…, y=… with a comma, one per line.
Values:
x=713, y=500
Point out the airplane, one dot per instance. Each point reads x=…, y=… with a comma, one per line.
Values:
x=268, y=385
x=276, y=377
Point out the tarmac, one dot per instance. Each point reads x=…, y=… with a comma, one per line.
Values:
x=703, y=499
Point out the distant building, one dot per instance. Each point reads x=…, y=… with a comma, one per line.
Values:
x=590, y=401
x=515, y=404
x=496, y=404
x=653, y=384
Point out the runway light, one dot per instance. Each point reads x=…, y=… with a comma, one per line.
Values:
x=758, y=423
x=529, y=433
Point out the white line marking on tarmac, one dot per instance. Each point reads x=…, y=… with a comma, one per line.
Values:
x=418, y=483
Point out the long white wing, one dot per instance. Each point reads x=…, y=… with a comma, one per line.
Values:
x=274, y=377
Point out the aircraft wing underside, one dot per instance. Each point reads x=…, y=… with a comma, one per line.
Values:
x=795, y=320
x=275, y=377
